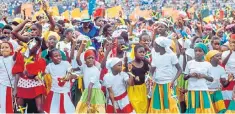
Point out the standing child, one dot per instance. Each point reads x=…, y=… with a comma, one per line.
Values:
x=58, y=100
x=164, y=63
x=197, y=72
x=6, y=78
x=228, y=59
x=115, y=81
x=92, y=100
x=138, y=92
x=219, y=75
x=145, y=40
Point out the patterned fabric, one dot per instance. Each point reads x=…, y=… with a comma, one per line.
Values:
x=199, y=102
x=218, y=102
x=28, y=83
x=162, y=100
x=97, y=102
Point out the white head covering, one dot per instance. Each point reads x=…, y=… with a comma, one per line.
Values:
x=111, y=62
x=164, y=42
x=162, y=22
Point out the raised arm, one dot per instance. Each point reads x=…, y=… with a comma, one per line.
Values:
x=51, y=20
x=16, y=31
x=80, y=51
x=224, y=62
x=103, y=62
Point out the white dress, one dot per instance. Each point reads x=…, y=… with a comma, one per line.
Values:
x=58, y=100
x=6, y=84
x=118, y=85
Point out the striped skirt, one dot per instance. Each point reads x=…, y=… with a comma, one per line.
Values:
x=231, y=107
x=97, y=102
x=162, y=100
x=199, y=102
x=218, y=102
x=6, y=102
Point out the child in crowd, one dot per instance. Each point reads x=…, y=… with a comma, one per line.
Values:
x=145, y=40
x=58, y=100
x=228, y=57
x=92, y=99
x=139, y=67
x=166, y=70
x=116, y=82
x=219, y=78
x=51, y=41
x=215, y=43
x=197, y=73
x=7, y=85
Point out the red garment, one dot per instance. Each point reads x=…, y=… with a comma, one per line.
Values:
x=29, y=88
x=39, y=65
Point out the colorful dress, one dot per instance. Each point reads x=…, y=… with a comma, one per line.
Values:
x=28, y=87
x=138, y=92
x=198, y=98
x=97, y=101
x=215, y=88
x=6, y=84
x=162, y=100
x=118, y=85
x=58, y=100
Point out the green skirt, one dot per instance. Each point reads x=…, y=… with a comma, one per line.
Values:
x=218, y=102
x=198, y=102
x=231, y=107
x=163, y=100
x=97, y=102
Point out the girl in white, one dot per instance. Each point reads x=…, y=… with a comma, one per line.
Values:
x=6, y=78
x=58, y=100
x=92, y=99
x=219, y=75
x=166, y=70
x=197, y=72
x=116, y=82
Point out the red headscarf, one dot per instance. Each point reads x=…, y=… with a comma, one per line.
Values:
x=88, y=53
x=11, y=46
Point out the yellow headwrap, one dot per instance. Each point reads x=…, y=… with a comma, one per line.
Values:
x=51, y=33
x=210, y=54
x=18, y=20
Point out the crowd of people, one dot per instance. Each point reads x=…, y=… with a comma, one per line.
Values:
x=100, y=65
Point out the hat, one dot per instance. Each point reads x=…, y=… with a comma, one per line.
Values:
x=18, y=20
x=86, y=20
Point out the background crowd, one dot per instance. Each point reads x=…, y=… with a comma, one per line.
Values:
x=178, y=58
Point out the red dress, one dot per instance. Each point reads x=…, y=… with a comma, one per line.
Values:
x=27, y=87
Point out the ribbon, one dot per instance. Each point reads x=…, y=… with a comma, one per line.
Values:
x=80, y=83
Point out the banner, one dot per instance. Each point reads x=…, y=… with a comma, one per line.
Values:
x=113, y=12
x=55, y=11
x=28, y=9
x=75, y=13
x=65, y=14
